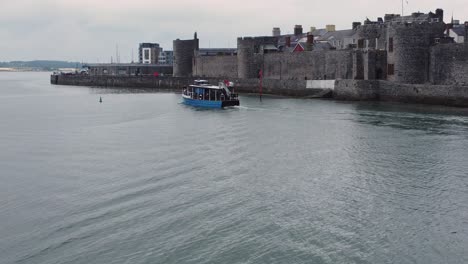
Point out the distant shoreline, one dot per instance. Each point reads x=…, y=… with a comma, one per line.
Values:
x=34, y=70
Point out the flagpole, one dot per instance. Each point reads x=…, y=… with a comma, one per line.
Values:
x=402, y=8
x=261, y=84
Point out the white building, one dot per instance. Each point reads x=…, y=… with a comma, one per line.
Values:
x=458, y=33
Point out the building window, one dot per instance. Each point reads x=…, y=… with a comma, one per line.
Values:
x=360, y=44
x=391, y=69
x=390, y=45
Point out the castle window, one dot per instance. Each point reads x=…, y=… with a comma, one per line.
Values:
x=391, y=69
x=390, y=45
x=360, y=44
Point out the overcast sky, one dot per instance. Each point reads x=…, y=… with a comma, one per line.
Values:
x=89, y=30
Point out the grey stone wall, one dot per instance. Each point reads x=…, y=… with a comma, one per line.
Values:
x=375, y=64
x=215, y=66
x=130, y=82
x=411, y=56
x=249, y=59
x=283, y=87
x=450, y=95
x=449, y=64
x=184, y=51
x=356, y=90
x=308, y=65
x=374, y=33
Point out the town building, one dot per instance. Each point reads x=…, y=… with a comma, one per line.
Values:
x=457, y=31
x=166, y=57
x=128, y=69
x=148, y=53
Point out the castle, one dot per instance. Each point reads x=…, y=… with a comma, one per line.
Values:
x=414, y=49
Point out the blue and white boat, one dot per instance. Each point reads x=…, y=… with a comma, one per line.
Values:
x=202, y=94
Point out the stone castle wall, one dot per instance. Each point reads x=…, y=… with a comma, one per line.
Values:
x=411, y=46
x=375, y=64
x=183, y=56
x=215, y=66
x=449, y=64
x=306, y=65
x=249, y=60
x=375, y=34
x=379, y=90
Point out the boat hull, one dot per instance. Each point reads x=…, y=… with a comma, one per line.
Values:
x=202, y=103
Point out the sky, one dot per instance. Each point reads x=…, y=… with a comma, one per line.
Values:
x=91, y=30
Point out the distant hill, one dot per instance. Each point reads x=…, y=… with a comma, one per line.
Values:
x=45, y=65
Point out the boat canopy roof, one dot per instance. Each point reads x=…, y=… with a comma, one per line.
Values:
x=201, y=82
x=214, y=87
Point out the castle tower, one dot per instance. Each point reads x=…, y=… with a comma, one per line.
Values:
x=184, y=51
x=246, y=67
x=408, y=49
x=250, y=55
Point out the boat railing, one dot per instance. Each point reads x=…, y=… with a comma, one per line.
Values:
x=225, y=88
x=234, y=96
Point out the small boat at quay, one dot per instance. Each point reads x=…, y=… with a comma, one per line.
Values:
x=203, y=94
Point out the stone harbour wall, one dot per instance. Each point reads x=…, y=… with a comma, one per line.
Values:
x=275, y=87
x=357, y=90
x=378, y=90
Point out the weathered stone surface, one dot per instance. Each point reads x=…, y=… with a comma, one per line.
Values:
x=183, y=56
x=361, y=90
x=215, y=66
x=449, y=64
x=277, y=87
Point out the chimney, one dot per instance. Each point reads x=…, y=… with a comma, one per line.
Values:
x=312, y=29
x=288, y=41
x=330, y=28
x=297, y=30
x=310, y=41
x=440, y=14
x=466, y=33
x=356, y=24
x=276, y=32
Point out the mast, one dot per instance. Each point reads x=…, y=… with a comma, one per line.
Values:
x=402, y=8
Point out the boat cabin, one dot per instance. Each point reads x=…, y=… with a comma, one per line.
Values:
x=206, y=92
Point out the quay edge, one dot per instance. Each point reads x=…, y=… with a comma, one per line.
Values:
x=351, y=90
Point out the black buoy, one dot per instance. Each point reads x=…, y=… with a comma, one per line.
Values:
x=100, y=99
